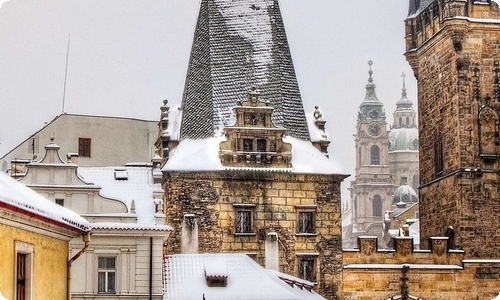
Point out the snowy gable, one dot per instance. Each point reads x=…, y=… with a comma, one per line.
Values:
x=16, y=194
x=132, y=185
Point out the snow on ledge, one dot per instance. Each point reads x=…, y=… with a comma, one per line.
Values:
x=17, y=194
x=203, y=155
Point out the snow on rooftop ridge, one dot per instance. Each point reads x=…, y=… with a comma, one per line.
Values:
x=17, y=194
x=203, y=155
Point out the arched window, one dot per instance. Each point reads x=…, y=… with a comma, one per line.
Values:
x=377, y=206
x=400, y=121
x=375, y=155
x=407, y=121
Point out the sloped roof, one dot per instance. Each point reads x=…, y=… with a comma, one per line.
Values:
x=137, y=186
x=185, y=279
x=238, y=45
x=14, y=193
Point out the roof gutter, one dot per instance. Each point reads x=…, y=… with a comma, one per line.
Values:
x=86, y=240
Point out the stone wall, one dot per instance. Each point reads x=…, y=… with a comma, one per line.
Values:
x=439, y=273
x=274, y=198
x=454, y=50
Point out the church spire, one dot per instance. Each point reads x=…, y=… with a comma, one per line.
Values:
x=238, y=45
x=371, y=107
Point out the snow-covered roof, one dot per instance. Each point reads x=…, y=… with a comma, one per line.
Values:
x=237, y=45
x=185, y=279
x=203, y=155
x=16, y=194
x=131, y=183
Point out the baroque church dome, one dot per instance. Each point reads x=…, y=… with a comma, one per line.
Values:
x=404, y=132
x=405, y=194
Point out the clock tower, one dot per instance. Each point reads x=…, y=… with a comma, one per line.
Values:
x=372, y=188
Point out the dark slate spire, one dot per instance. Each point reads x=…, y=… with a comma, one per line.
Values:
x=237, y=45
x=371, y=106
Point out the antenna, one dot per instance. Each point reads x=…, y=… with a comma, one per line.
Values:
x=65, y=75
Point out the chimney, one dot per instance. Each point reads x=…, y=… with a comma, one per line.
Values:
x=189, y=235
x=272, y=252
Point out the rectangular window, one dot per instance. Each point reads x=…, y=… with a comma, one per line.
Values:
x=106, y=272
x=306, y=222
x=244, y=221
x=247, y=145
x=60, y=202
x=21, y=276
x=84, y=147
x=24, y=270
x=306, y=269
x=261, y=145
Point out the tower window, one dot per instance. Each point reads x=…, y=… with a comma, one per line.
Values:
x=375, y=155
x=438, y=156
x=306, y=269
x=84, y=147
x=247, y=145
x=306, y=222
x=261, y=145
x=377, y=206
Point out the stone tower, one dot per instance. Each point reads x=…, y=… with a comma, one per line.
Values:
x=373, y=186
x=238, y=161
x=403, y=143
x=453, y=48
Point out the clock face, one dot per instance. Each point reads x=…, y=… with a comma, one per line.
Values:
x=374, y=129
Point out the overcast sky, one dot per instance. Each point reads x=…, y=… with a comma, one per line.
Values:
x=126, y=56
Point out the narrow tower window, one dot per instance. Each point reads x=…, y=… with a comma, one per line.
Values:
x=375, y=155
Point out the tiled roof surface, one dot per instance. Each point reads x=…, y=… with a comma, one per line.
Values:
x=185, y=279
x=417, y=6
x=237, y=45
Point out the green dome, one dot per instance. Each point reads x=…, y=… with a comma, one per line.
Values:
x=403, y=139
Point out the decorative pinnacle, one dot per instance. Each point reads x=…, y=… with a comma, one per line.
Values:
x=370, y=72
x=404, y=83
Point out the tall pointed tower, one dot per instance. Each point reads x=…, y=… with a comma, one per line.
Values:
x=239, y=164
x=373, y=186
x=453, y=49
x=403, y=142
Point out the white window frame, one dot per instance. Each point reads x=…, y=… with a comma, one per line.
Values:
x=107, y=271
x=28, y=250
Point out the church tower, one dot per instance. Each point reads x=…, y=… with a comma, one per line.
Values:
x=453, y=48
x=240, y=164
x=373, y=186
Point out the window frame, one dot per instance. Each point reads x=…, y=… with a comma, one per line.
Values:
x=244, y=208
x=375, y=155
x=27, y=250
x=307, y=257
x=309, y=209
x=84, y=147
x=107, y=271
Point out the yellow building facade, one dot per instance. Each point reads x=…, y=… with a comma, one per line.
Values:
x=35, y=236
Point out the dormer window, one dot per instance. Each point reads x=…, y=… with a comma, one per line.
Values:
x=216, y=274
